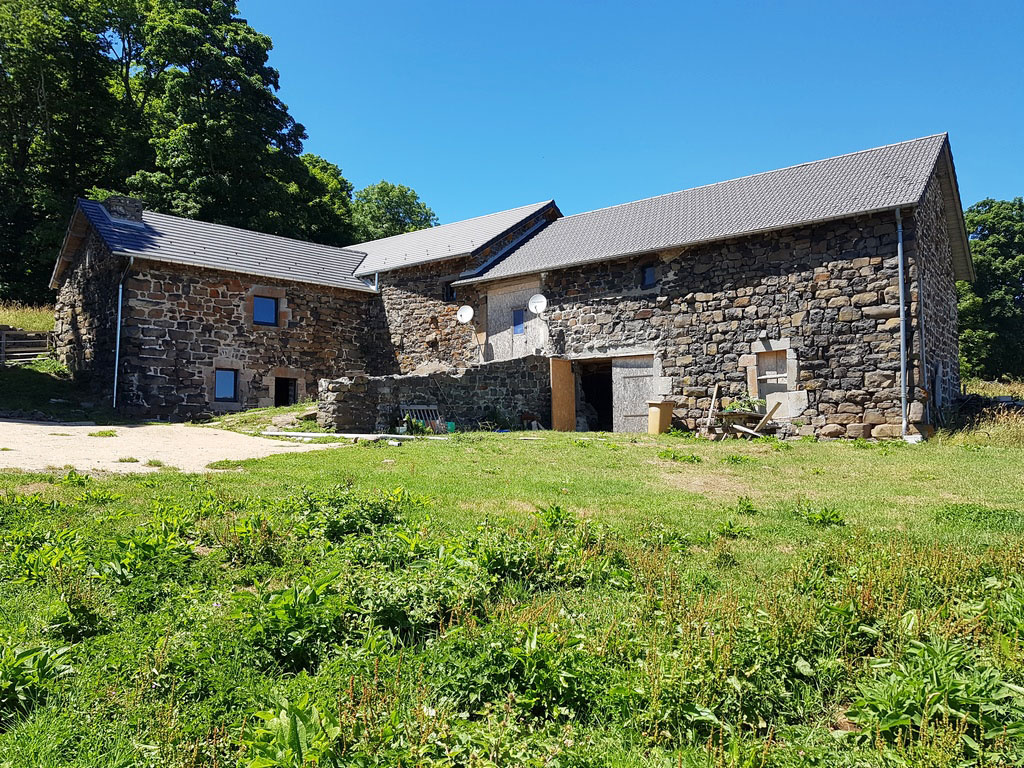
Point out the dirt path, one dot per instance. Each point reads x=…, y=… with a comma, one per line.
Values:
x=40, y=445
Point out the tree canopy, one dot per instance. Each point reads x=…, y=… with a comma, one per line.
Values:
x=171, y=101
x=385, y=209
x=992, y=308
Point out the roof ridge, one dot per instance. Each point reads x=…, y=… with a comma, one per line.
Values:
x=460, y=221
x=753, y=175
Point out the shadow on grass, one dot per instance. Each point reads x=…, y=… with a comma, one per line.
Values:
x=45, y=388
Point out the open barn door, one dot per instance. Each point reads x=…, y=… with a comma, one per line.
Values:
x=632, y=388
x=563, y=396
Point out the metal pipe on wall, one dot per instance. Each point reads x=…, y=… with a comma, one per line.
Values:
x=117, y=340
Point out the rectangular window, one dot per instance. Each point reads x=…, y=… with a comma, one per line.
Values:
x=648, y=276
x=225, y=386
x=518, y=321
x=449, y=292
x=264, y=310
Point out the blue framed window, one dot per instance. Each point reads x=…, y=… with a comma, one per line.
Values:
x=225, y=385
x=264, y=310
x=518, y=321
x=648, y=276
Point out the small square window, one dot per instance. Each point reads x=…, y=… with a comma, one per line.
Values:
x=450, y=294
x=518, y=321
x=264, y=310
x=225, y=386
x=648, y=276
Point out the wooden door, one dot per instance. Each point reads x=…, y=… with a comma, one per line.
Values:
x=563, y=396
x=632, y=388
x=771, y=373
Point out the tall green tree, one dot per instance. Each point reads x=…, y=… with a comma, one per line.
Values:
x=56, y=132
x=385, y=209
x=992, y=308
x=222, y=137
x=172, y=101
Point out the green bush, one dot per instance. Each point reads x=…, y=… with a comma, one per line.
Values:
x=939, y=683
x=27, y=674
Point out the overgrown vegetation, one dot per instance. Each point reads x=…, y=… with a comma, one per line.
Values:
x=305, y=611
x=174, y=103
x=25, y=317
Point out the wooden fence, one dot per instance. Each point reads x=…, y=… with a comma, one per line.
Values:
x=24, y=346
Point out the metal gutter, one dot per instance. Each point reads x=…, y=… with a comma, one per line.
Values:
x=117, y=342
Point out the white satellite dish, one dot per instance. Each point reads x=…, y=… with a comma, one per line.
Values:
x=465, y=314
x=538, y=303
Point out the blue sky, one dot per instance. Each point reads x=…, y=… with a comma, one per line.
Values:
x=487, y=105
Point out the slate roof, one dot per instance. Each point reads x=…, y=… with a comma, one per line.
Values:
x=442, y=242
x=198, y=243
x=862, y=182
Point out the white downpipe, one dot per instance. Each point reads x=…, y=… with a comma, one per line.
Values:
x=117, y=340
x=903, y=322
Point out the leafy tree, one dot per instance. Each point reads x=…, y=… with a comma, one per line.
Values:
x=172, y=101
x=220, y=132
x=56, y=136
x=385, y=209
x=992, y=308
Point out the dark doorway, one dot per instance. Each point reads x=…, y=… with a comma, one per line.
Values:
x=285, y=391
x=596, y=387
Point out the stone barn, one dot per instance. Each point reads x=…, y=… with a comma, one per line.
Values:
x=827, y=289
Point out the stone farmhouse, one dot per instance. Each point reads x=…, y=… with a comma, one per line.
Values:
x=826, y=287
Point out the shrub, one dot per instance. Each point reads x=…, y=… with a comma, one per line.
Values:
x=295, y=624
x=554, y=517
x=546, y=674
x=252, y=539
x=341, y=511
x=939, y=683
x=292, y=735
x=37, y=554
x=73, y=478
x=27, y=673
x=735, y=458
x=671, y=454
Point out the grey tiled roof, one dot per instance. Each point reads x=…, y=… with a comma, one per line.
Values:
x=871, y=180
x=198, y=243
x=442, y=242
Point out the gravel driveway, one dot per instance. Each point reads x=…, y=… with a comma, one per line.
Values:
x=35, y=445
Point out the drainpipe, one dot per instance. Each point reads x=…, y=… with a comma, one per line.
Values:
x=117, y=341
x=903, y=322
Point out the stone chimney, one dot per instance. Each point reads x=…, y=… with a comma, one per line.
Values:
x=120, y=207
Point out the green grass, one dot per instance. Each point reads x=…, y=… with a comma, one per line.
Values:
x=104, y=433
x=256, y=420
x=25, y=317
x=598, y=602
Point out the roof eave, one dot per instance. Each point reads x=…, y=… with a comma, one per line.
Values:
x=306, y=281
x=955, y=219
x=63, y=257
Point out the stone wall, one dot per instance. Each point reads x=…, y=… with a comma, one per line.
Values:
x=85, y=315
x=499, y=392
x=932, y=268
x=181, y=323
x=830, y=291
x=420, y=322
